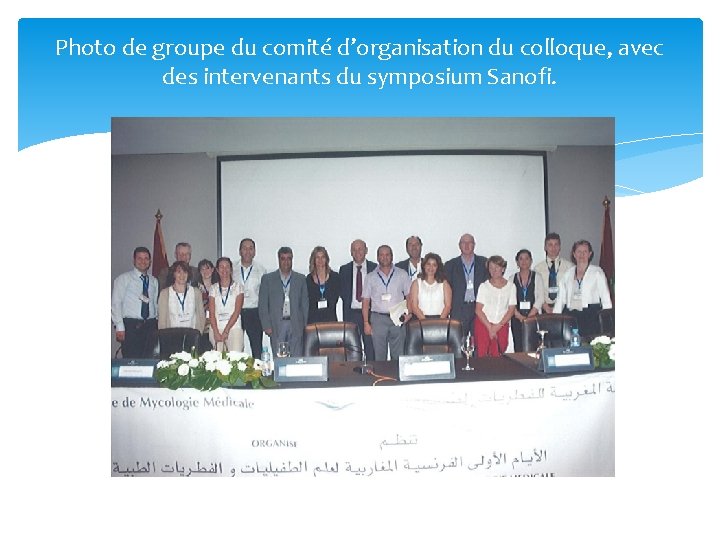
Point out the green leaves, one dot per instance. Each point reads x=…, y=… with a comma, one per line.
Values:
x=210, y=371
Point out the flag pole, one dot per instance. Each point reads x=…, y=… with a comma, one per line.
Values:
x=607, y=252
x=159, y=257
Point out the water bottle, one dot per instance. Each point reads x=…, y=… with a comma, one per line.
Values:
x=575, y=338
x=266, y=361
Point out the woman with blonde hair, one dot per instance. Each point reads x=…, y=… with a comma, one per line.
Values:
x=323, y=285
x=494, y=307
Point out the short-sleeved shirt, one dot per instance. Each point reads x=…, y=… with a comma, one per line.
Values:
x=496, y=301
x=225, y=302
x=378, y=285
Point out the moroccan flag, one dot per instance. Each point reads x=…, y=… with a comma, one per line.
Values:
x=159, y=256
x=607, y=253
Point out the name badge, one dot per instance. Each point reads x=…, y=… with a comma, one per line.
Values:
x=286, y=307
x=386, y=297
x=223, y=316
x=322, y=304
x=553, y=289
x=469, y=285
x=184, y=318
x=525, y=305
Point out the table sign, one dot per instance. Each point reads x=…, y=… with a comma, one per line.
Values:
x=425, y=367
x=566, y=359
x=307, y=368
x=135, y=369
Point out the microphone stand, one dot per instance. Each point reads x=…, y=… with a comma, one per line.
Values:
x=364, y=368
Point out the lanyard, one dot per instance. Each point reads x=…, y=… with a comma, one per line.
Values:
x=321, y=285
x=383, y=280
x=182, y=302
x=579, y=281
x=523, y=287
x=468, y=271
x=242, y=273
x=227, y=294
x=285, y=284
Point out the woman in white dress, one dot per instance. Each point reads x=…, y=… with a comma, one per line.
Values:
x=224, y=303
x=430, y=294
x=494, y=307
x=180, y=305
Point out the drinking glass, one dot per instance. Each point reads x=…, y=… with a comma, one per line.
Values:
x=541, y=346
x=468, y=348
x=283, y=349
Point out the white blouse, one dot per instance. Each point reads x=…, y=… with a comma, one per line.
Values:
x=496, y=301
x=592, y=289
x=225, y=302
x=181, y=308
x=431, y=298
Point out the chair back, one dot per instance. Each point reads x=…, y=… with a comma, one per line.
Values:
x=607, y=322
x=174, y=340
x=559, y=328
x=339, y=341
x=434, y=336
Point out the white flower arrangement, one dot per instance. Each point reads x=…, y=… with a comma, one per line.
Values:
x=211, y=370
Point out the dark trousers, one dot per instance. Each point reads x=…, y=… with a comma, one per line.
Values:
x=355, y=316
x=466, y=315
x=516, y=328
x=250, y=319
x=140, y=338
x=588, y=320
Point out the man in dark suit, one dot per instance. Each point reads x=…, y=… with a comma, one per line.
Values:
x=352, y=278
x=283, y=304
x=183, y=252
x=465, y=274
x=413, y=246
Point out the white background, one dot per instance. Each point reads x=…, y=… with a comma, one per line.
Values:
x=55, y=403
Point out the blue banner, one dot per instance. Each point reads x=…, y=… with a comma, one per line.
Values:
x=75, y=74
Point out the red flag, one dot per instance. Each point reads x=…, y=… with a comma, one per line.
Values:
x=607, y=253
x=159, y=257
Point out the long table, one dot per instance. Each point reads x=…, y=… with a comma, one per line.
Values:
x=502, y=419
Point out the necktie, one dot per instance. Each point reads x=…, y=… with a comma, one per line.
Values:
x=145, y=309
x=358, y=284
x=553, y=280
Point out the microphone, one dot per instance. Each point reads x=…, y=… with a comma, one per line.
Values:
x=362, y=369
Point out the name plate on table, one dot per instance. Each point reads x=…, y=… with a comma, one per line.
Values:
x=305, y=369
x=564, y=359
x=426, y=367
x=133, y=369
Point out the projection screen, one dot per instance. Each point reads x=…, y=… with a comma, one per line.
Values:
x=331, y=199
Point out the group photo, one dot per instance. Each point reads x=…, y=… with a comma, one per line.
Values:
x=475, y=209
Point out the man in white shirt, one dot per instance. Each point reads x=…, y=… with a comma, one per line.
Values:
x=551, y=270
x=134, y=308
x=249, y=273
x=413, y=246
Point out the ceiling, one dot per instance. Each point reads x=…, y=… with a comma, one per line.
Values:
x=248, y=136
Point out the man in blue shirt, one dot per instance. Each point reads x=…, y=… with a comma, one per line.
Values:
x=384, y=288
